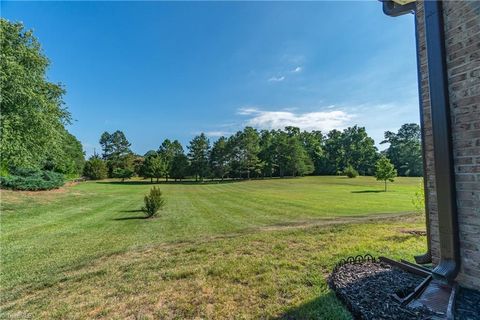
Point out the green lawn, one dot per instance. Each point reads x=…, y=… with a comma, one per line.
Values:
x=252, y=249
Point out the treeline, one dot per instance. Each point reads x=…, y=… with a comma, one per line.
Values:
x=33, y=116
x=251, y=153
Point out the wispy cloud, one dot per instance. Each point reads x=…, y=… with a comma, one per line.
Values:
x=297, y=69
x=320, y=120
x=276, y=79
x=215, y=134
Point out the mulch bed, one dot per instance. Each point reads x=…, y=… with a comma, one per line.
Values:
x=467, y=305
x=367, y=288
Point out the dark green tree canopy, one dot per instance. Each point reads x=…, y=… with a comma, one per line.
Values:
x=198, y=154
x=405, y=150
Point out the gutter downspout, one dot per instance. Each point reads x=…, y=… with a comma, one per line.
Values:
x=442, y=142
x=427, y=256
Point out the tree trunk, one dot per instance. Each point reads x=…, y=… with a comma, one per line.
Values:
x=151, y=180
x=385, y=185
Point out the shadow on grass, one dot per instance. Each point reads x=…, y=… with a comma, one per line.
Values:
x=169, y=182
x=131, y=218
x=323, y=307
x=192, y=182
x=367, y=191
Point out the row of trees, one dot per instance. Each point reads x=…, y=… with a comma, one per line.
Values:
x=33, y=116
x=266, y=153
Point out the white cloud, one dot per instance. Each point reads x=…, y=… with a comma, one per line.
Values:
x=297, y=69
x=217, y=133
x=320, y=120
x=276, y=79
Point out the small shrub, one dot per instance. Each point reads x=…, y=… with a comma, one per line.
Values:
x=32, y=180
x=350, y=172
x=153, y=202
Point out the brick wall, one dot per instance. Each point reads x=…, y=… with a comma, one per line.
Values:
x=462, y=36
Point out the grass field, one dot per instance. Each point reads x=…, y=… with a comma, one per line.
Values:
x=252, y=249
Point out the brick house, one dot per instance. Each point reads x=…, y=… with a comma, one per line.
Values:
x=448, y=53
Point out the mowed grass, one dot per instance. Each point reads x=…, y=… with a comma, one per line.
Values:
x=252, y=249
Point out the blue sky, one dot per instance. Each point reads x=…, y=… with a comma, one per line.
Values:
x=161, y=70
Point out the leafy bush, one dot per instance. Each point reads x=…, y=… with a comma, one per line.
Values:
x=95, y=169
x=418, y=199
x=32, y=179
x=153, y=202
x=350, y=172
x=122, y=173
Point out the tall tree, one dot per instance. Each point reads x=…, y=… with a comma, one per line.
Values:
x=313, y=144
x=267, y=152
x=219, y=158
x=154, y=166
x=168, y=150
x=405, y=150
x=180, y=167
x=249, y=149
x=114, y=145
x=32, y=116
x=359, y=150
x=198, y=155
x=116, y=151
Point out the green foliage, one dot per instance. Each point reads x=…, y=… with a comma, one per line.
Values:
x=180, y=167
x=385, y=171
x=418, y=199
x=67, y=158
x=122, y=173
x=115, y=145
x=219, y=158
x=198, y=155
x=32, y=179
x=32, y=115
x=95, y=169
x=154, y=167
x=168, y=150
x=154, y=201
x=350, y=172
x=405, y=150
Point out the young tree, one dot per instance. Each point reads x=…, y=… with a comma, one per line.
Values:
x=95, y=168
x=154, y=202
x=385, y=171
x=198, y=155
x=180, y=167
x=219, y=158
